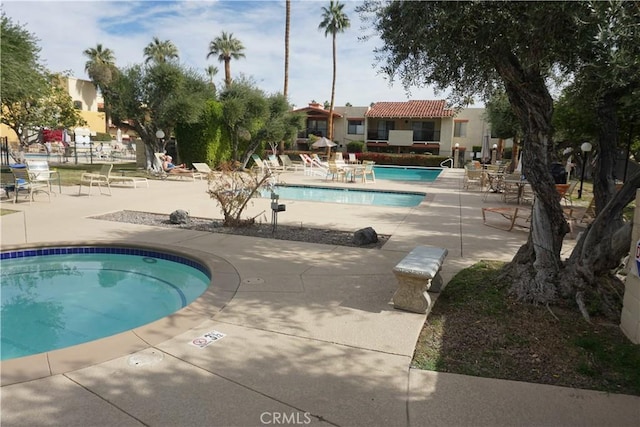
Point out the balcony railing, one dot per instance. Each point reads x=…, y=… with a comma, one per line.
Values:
x=306, y=132
x=418, y=135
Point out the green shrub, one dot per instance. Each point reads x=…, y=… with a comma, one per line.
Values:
x=102, y=136
x=355, y=147
x=206, y=141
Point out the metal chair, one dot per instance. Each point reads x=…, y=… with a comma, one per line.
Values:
x=23, y=181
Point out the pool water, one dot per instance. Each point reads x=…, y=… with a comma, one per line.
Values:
x=407, y=173
x=346, y=195
x=58, y=300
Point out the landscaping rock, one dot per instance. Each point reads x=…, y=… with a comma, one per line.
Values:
x=365, y=236
x=179, y=217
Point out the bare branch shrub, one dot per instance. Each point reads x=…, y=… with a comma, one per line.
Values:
x=234, y=189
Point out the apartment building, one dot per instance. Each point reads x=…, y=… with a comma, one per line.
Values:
x=416, y=126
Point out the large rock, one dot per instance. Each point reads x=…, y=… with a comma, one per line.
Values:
x=365, y=236
x=179, y=217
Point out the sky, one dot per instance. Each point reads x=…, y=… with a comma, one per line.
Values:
x=66, y=28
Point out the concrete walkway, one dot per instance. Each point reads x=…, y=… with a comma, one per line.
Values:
x=310, y=335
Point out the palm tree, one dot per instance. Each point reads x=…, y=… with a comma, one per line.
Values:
x=334, y=21
x=211, y=71
x=227, y=48
x=101, y=69
x=287, y=27
x=160, y=51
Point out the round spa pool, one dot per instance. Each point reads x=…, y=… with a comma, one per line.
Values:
x=57, y=297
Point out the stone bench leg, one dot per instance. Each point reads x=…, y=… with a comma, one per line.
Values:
x=411, y=294
x=436, y=283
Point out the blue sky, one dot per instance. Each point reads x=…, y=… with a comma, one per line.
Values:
x=66, y=28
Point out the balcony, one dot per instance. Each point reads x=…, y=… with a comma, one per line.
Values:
x=304, y=134
x=418, y=135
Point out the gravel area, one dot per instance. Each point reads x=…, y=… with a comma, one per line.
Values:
x=283, y=232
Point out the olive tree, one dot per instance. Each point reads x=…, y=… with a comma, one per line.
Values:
x=157, y=97
x=476, y=47
x=31, y=97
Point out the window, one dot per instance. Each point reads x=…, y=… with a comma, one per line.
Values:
x=77, y=105
x=424, y=131
x=355, y=127
x=317, y=127
x=384, y=126
x=460, y=129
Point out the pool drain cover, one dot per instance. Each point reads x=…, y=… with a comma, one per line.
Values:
x=253, y=281
x=145, y=358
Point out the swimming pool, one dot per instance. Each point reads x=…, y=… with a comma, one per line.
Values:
x=57, y=297
x=406, y=173
x=346, y=196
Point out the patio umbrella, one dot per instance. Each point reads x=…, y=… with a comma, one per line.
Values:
x=323, y=142
x=485, y=153
x=518, y=168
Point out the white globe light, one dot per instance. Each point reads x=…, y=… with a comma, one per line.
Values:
x=586, y=147
x=159, y=134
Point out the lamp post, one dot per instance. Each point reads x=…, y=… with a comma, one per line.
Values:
x=456, y=158
x=586, y=148
x=494, y=154
x=159, y=135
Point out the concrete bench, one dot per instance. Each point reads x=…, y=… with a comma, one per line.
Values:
x=418, y=273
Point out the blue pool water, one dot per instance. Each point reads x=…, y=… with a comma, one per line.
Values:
x=56, y=300
x=346, y=195
x=407, y=173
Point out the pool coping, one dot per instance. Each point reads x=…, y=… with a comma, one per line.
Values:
x=225, y=281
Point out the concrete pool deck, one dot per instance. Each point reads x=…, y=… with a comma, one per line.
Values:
x=310, y=335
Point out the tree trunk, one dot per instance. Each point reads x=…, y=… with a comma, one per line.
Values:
x=588, y=271
x=285, y=92
x=535, y=267
x=286, y=47
x=604, y=187
x=333, y=90
x=227, y=72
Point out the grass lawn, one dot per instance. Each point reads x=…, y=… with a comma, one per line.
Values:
x=70, y=173
x=476, y=328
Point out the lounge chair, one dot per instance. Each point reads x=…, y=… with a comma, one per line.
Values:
x=99, y=179
x=511, y=214
x=123, y=179
x=40, y=172
x=307, y=163
x=314, y=166
x=202, y=168
x=274, y=165
x=353, y=159
x=289, y=164
x=24, y=181
x=163, y=174
x=259, y=164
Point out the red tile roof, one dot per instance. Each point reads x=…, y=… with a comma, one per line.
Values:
x=410, y=109
x=318, y=109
